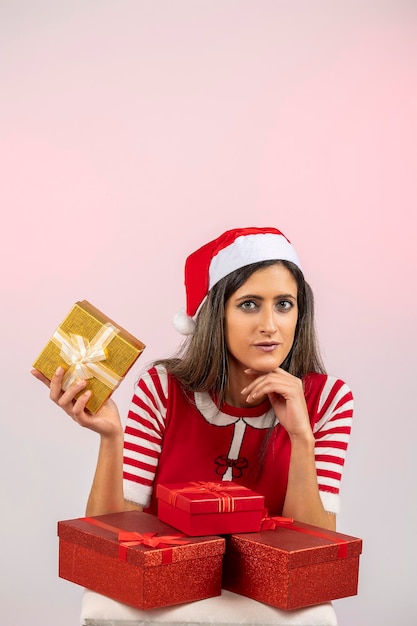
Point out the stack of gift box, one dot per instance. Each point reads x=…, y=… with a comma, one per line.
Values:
x=226, y=539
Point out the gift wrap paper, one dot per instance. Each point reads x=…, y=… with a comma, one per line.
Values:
x=207, y=508
x=134, y=558
x=292, y=566
x=88, y=343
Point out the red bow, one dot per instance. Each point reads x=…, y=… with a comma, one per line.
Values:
x=270, y=523
x=131, y=538
x=150, y=539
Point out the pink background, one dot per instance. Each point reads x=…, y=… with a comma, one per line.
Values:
x=132, y=132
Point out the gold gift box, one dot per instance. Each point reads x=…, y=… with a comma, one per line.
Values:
x=89, y=345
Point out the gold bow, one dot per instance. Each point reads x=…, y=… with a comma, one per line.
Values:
x=84, y=357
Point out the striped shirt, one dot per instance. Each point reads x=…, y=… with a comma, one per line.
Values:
x=174, y=437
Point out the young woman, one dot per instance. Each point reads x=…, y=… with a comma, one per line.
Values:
x=247, y=399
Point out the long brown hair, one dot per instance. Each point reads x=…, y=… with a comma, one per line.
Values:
x=202, y=363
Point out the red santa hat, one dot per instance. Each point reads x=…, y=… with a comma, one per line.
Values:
x=218, y=258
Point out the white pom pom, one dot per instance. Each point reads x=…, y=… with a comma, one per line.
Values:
x=183, y=323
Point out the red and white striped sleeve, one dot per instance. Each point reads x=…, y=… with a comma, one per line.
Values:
x=332, y=431
x=144, y=432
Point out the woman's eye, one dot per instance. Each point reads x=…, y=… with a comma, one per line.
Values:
x=284, y=305
x=247, y=305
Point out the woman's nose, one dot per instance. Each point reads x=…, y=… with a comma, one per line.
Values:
x=267, y=321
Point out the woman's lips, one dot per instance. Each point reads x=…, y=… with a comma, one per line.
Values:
x=266, y=347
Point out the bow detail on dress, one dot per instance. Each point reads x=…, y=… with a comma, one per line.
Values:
x=238, y=465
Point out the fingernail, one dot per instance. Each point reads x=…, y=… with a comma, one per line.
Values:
x=87, y=393
x=59, y=370
x=243, y=390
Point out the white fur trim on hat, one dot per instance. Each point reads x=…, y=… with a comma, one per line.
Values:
x=249, y=249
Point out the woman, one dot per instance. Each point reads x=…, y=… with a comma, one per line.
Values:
x=247, y=399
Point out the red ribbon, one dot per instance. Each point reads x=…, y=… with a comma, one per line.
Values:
x=271, y=523
x=226, y=502
x=132, y=538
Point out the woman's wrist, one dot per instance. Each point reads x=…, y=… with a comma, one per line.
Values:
x=112, y=439
x=304, y=439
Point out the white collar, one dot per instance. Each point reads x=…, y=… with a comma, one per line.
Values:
x=217, y=417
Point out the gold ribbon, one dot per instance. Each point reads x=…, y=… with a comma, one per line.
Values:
x=226, y=501
x=84, y=357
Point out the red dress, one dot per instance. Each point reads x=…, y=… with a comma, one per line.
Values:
x=172, y=436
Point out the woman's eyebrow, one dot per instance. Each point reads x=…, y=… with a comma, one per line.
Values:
x=281, y=296
x=286, y=296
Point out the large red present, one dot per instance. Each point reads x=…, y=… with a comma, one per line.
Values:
x=210, y=508
x=136, y=559
x=292, y=565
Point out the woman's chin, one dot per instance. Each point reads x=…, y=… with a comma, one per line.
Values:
x=265, y=365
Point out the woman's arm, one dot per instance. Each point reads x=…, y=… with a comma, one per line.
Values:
x=286, y=394
x=302, y=500
x=106, y=495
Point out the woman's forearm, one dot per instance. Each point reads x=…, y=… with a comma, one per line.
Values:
x=106, y=495
x=302, y=501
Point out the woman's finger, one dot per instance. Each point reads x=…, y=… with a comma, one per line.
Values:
x=68, y=398
x=78, y=410
x=55, y=387
x=37, y=374
x=272, y=382
x=256, y=383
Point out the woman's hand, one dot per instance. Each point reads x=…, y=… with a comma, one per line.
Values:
x=286, y=395
x=105, y=422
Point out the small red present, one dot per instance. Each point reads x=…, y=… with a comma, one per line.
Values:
x=136, y=559
x=210, y=508
x=292, y=565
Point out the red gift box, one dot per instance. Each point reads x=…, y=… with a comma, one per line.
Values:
x=292, y=566
x=210, y=508
x=136, y=559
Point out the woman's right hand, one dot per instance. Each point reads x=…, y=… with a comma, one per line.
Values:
x=106, y=422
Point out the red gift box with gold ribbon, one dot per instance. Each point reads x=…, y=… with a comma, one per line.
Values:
x=291, y=565
x=134, y=558
x=210, y=508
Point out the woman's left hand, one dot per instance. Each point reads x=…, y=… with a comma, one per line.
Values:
x=286, y=395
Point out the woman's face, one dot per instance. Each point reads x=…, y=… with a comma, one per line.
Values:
x=260, y=320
